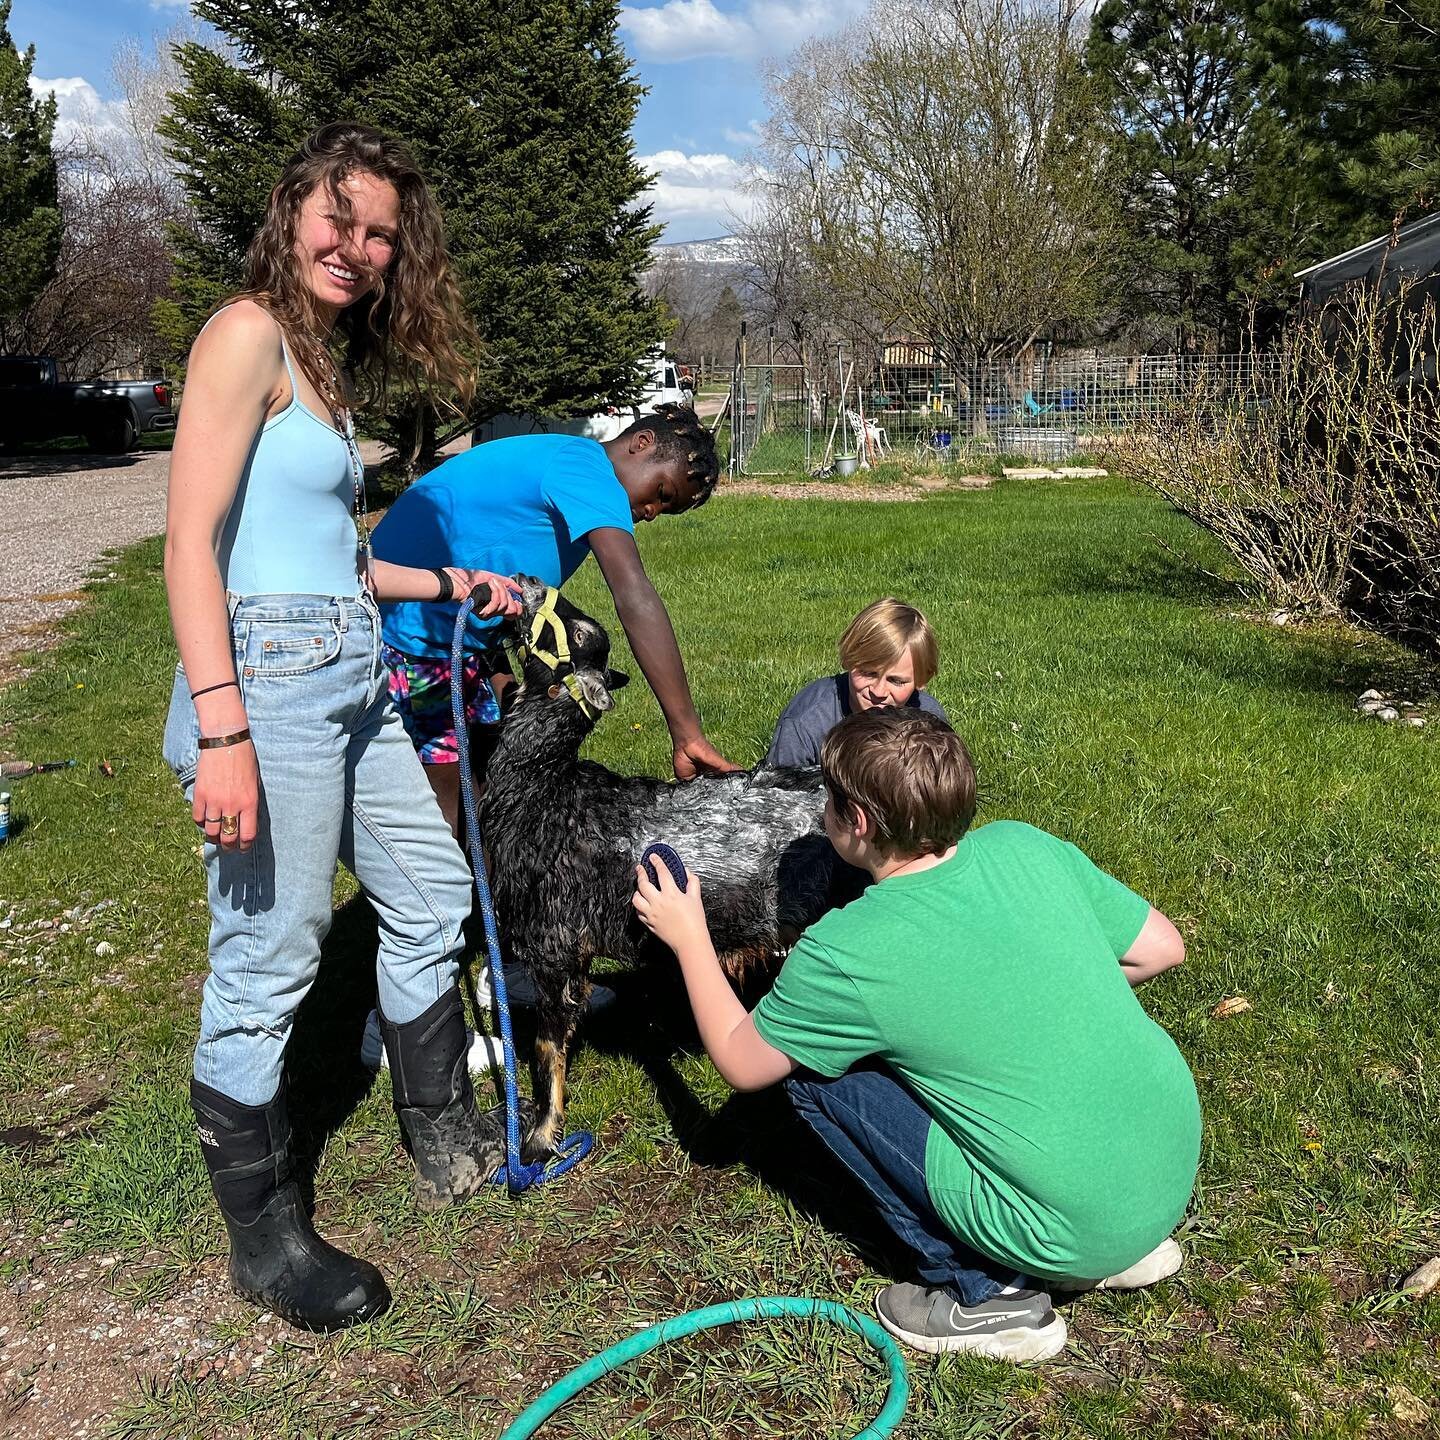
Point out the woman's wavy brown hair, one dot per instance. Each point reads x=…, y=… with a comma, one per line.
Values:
x=411, y=324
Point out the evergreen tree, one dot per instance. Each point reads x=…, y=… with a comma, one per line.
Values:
x=1361, y=80
x=722, y=325
x=1217, y=222
x=30, y=226
x=519, y=115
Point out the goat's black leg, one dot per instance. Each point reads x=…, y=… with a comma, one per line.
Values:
x=561, y=999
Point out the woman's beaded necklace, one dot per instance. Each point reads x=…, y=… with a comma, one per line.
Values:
x=340, y=412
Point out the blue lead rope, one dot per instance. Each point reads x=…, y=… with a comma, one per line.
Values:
x=576, y=1147
x=514, y=1173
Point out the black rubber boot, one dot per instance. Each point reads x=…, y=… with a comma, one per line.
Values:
x=277, y=1261
x=455, y=1147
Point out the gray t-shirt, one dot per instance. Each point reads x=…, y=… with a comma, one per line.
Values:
x=815, y=711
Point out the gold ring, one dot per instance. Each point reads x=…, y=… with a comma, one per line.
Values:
x=229, y=824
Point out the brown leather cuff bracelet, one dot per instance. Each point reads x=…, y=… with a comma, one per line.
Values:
x=219, y=742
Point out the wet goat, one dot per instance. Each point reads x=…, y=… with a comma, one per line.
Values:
x=564, y=835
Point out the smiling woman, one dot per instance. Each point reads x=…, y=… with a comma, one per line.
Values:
x=281, y=728
x=337, y=232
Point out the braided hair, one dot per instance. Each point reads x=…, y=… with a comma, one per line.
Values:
x=680, y=436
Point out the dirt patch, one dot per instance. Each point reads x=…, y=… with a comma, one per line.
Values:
x=955, y=482
x=822, y=490
x=915, y=488
x=72, y=1352
x=18, y=645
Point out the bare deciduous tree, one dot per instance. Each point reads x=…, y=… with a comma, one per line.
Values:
x=95, y=315
x=950, y=173
x=145, y=78
x=689, y=290
x=778, y=243
x=118, y=196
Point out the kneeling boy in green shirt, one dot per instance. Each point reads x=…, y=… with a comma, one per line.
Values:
x=965, y=1038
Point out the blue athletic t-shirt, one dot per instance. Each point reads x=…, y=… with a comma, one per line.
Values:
x=519, y=506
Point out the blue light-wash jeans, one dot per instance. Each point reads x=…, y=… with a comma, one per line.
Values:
x=339, y=781
x=877, y=1128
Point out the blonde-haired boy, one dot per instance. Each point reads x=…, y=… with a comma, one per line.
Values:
x=888, y=655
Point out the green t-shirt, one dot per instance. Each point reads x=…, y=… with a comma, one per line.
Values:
x=1066, y=1129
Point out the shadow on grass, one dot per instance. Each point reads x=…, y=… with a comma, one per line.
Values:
x=650, y=1022
x=326, y=1076
x=1160, y=574
x=1333, y=656
x=327, y=1079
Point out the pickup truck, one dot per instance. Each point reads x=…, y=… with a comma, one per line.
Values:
x=35, y=404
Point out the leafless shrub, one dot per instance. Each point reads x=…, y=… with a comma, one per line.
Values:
x=1317, y=469
x=1396, y=584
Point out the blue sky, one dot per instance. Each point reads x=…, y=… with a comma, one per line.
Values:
x=702, y=60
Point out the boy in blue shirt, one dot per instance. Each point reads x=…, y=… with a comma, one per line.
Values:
x=538, y=505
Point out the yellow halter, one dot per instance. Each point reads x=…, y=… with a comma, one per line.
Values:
x=558, y=657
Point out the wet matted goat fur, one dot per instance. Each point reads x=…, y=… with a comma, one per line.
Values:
x=563, y=836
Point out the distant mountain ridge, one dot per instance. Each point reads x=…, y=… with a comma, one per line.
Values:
x=721, y=250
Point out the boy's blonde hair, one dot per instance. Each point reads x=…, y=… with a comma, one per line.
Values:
x=880, y=634
x=908, y=771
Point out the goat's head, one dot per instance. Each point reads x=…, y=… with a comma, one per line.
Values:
x=563, y=650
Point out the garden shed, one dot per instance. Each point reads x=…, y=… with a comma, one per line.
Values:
x=1413, y=251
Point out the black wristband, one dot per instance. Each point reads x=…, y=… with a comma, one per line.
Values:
x=223, y=685
x=447, y=585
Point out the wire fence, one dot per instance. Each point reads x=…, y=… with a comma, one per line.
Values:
x=785, y=419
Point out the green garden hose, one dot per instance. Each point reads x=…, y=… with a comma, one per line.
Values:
x=768, y=1307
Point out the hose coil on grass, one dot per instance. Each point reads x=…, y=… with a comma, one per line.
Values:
x=767, y=1307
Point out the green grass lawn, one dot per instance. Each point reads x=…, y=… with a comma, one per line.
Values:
x=1210, y=760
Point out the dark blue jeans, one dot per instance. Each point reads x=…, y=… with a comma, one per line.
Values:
x=877, y=1129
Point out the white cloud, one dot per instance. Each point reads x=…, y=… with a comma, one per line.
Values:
x=690, y=29
x=703, y=192
x=750, y=135
x=80, y=109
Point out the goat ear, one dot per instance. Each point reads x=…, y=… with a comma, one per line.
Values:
x=616, y=679
x=592, y=687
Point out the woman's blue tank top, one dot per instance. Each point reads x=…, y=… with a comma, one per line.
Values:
x=291, y=527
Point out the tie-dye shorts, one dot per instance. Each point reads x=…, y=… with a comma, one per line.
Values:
x=421, y=692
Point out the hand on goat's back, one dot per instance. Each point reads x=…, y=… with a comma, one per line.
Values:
x=697, y=757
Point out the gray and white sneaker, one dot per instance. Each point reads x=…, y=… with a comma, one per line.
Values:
x=1017, y=1326
x=1160, y=1264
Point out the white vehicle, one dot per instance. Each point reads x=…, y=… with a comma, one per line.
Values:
x=662, y=387
x=602, y=426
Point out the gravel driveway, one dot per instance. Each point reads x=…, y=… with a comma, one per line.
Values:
x=58, y=516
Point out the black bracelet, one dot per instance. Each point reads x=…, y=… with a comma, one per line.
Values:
x=223, y=685
x=447, y=585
